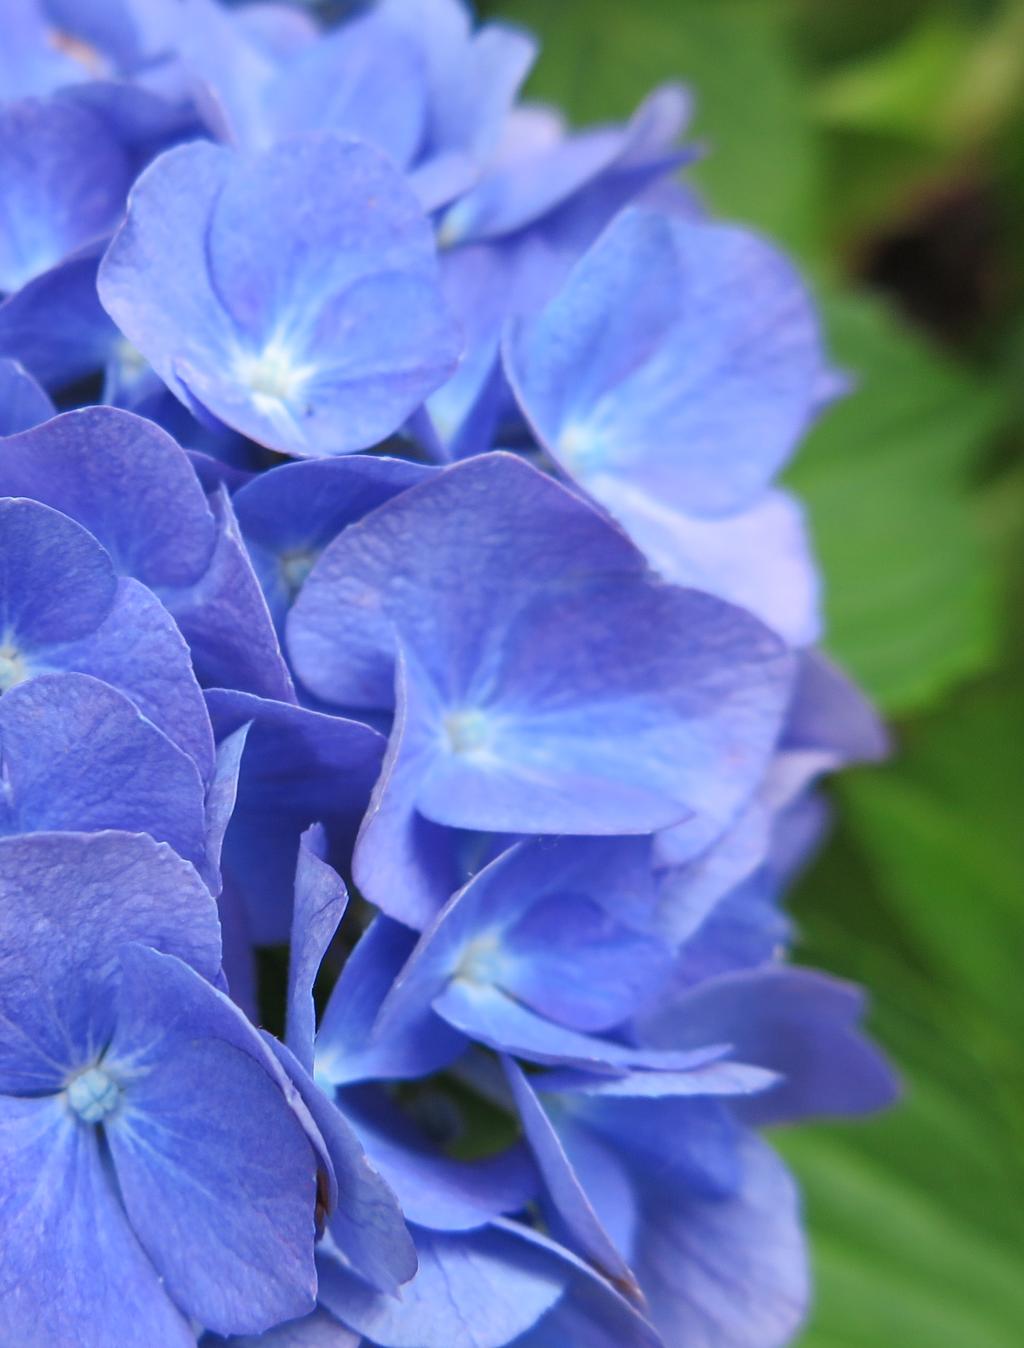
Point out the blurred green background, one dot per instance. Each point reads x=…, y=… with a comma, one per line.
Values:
x=883, y=142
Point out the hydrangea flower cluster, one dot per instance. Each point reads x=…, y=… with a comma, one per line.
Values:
x=402, y=581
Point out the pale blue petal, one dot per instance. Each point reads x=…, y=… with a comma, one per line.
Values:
x=669, y=340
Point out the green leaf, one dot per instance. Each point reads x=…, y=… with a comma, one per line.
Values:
x=905, y=89
x=917, y=1218
x=902, y=121
x=911, y=593
x=892, y=1266
x=949, y=81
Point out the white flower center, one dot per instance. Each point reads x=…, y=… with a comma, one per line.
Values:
x=93, y=1095
x=296, y=566
x=272, y=374
x=467, y=732
x=581, y=447
x=12, y=668
x=481, y=961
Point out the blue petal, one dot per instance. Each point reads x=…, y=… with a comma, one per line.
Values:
x=22, y=402
x=478, y=1289
x=319, y=1330
x=32, y=61
x=290, y=513
x=319, y=905
x=494, y=519
x=139, y=649
x=590, y=1313
x=228, y=70
x=668, y=341
x=59, y=583
x=366, y=78
x=488, y=283
x=347, y=1050
x=280, y=29
x=689, y=1138
x=299, y=767
x=525, y=187
x=796, y=1022
x=472, y=78
x=566, y=1195
x=126, y=481
x=65, y=181
x=403, y=863
x=55, y=325
x=76, y=755
x=68, y=902
x=225, y=619
x=488, y=1014
x=139, y=281
x=728, y=1270
x=568, y=959
x=688, y=892
x=434, y=1190
x=524, y=923
x=215, y=1169
x=831, y=715
x=759, y=558
x=363, y=1217
x=222, y=793
x=745, y=928
x=73, y=1271
x=125, y=32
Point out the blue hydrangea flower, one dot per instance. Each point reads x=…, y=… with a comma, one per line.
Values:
x=65, y=182
x=671, y=456
x=506, y=689
x=324, y=332
x=504, y=1283
x=155, y=1171
x=66, y=173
